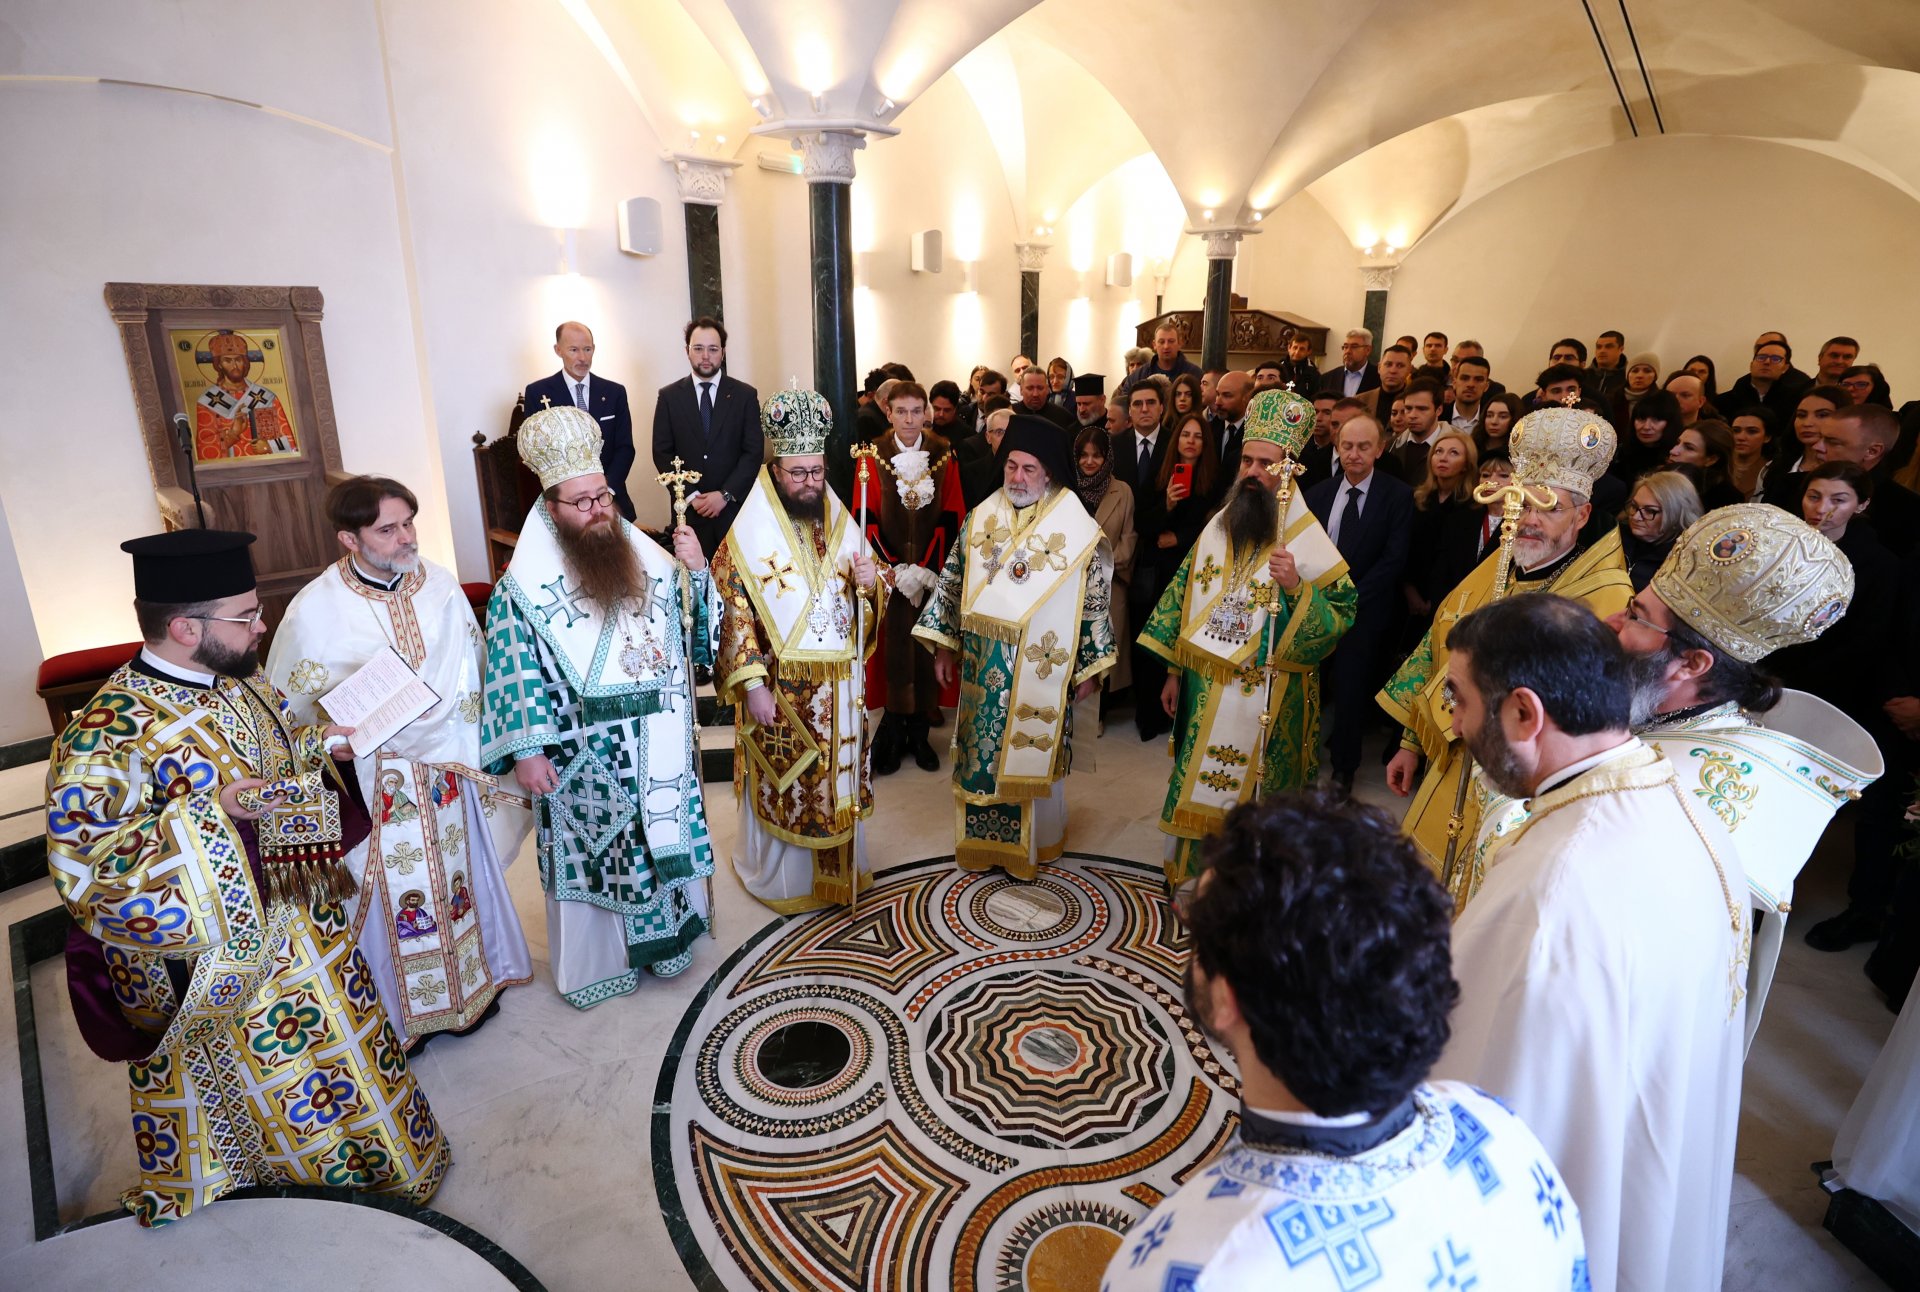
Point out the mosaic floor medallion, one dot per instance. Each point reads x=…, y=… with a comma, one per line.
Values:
x=970, y=1083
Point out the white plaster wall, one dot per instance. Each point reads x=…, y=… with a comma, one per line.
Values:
x=148, y=185
x=511, y=130
x=1688, y=245
x=22, y=716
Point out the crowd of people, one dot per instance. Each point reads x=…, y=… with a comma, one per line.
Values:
x=1229, y=553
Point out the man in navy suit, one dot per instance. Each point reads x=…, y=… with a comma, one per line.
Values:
x=711, y=422
x=1369, y=516
x=604, y=401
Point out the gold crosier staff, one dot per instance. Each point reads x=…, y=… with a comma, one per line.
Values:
x=1514, y=498
x=1288, y=470
x=677, y=480
x=864, y=454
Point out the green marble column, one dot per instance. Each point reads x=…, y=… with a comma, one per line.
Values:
x=827, y=164
x=1217, y=320
x=704, y=296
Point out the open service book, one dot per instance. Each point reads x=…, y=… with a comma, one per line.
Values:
x=378, y=701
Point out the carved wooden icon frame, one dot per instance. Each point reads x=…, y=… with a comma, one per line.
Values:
x=149, y=314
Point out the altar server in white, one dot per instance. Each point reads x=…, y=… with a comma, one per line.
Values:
x=1603, y=964
x=1320, y=960
x=433, y=916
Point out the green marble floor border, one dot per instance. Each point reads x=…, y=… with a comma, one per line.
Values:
x=23, y=862
x=42, y=937
x=22, y=752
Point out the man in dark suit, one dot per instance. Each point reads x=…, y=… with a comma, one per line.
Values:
x=1035, y=401
x=1863, y=434
x=1137, y=458
x=1230, y=396
x=981, y=471
x=1356, y=373
x=711, y=422
x=604, y=401
x=1369, y=516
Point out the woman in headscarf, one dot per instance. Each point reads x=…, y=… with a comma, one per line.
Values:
x=1110, y=503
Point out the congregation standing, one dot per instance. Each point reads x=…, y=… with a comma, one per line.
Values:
x=1545, y=598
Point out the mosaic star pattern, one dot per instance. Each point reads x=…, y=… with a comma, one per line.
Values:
x=970, y=1083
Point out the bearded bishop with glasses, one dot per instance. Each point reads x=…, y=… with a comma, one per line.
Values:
x=791, y=576
x=589, y=708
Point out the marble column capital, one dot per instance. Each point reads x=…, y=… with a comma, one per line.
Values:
x=1222, y=244
x=1379, y=278
x=826, y=156
x=702, y=178
x=1032, y=255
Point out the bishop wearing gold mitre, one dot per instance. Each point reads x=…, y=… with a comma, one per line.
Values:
x=1561, y=450
x=796, y=581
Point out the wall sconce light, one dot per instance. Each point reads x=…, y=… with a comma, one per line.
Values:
x=569, y=252
x=639, y=220
x=926, y=253
x=1120, y=269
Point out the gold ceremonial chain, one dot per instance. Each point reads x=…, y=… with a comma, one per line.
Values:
x=933, y=467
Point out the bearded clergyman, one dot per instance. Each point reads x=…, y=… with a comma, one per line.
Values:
x=788, y=574
x=1560, y=451
x=589, y=705
x=198, y=832
x=440, y=824
x=1019, y=617
x=1244, y=692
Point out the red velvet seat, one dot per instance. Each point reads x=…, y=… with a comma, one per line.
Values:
x=66, y=682
x=477, y=596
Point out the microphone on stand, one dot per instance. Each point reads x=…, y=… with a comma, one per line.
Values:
x=183, y=432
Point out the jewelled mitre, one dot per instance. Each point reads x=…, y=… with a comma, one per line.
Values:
x=1753, y=578
x=1279, y=417
x=560, y=443
x=797, y=421
x=1562, y=448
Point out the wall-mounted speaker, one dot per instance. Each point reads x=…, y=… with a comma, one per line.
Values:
x=640, y=226
x=929, y=252
x=1120, y=269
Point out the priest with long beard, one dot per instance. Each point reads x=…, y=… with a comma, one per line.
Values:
x=1244, y=692
x=589, y=706
x=788, y=574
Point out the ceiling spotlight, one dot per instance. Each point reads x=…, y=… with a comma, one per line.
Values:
x=819, y=103
x=760, y=105
x=1208, y=216
x=886, y=106
x=1256, y=217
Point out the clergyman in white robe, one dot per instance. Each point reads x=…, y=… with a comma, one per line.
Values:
x=433, y=916
x=1601, y=972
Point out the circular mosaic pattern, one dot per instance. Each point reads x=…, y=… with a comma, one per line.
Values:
x=1020, y=912
x=1050, y=1059
x=1020, y=1082
x=802, y=1056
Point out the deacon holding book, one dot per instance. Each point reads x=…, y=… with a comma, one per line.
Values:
x=1020, y=615
x=436, y=816
x=197, y=832
x=1261, y=599
x=587, y=705
x=788, y=576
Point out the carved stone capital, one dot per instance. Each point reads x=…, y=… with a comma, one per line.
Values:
x=1033, y=255
x=826, y=156
x=1379, y=278
x=703, y=180
x=1222, y=244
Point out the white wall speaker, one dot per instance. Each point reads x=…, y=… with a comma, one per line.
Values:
x=1120, y=269
x=640, y=226
x=929, y=252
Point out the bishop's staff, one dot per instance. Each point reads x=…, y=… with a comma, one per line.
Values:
x=1288, y=470
x=1513, y=498
x=864, y=455
x=677, y=480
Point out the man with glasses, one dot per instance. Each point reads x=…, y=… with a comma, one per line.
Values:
x=1563, y=450
x=1770, y=381
x=589, y=705
x=914, y=507
x=441, y=962
x=195, y=831
x=793, y=576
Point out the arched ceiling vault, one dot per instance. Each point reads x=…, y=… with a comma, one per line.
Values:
x=1394, y=114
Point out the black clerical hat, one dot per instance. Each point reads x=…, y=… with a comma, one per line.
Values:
x=190, y=565
x=1030, y=433
x=1090, y=383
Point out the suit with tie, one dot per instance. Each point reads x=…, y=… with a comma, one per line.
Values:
x=1372, y=525
x=712, y=424
x=606, y=403
x=1149, y=670
x=1334, y=381
x=1228, y=437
